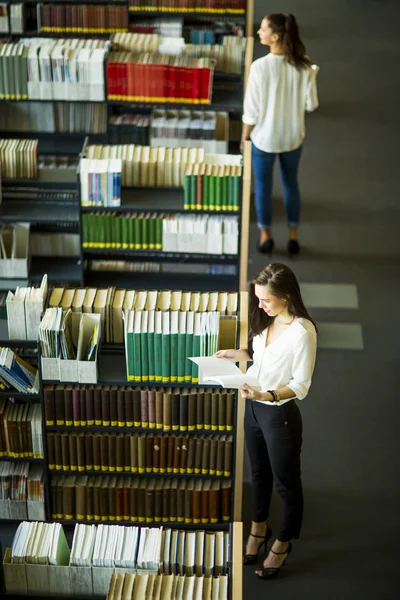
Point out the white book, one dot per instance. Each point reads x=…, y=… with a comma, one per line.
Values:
x=224, y=372
x=16, y=321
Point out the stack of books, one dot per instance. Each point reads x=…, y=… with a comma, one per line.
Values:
x=228, y=56
x=100, y=182
x=20, y=430
x=140, y=453
x=164, y=410
x=18, y=158
x=81, y=19
x=212, y=187
x=129, y=129
x=141, y=500
x=18, y=373
x=21, y=481
x=40, y=543
x=203, y=233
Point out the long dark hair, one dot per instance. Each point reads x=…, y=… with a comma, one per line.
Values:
x=289, y=35
x=282, y=283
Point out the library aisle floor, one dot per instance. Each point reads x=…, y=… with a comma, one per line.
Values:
x=351, y=459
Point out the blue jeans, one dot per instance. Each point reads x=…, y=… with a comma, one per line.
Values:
x=263, y=165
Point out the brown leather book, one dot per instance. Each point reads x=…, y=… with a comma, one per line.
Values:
x=175, y=412
x=69, y=498
x=104, y=452
x=105, y=406
x=59, y=405
x=119, y=452
x=81, y=457
x=191, y=454
x=53, y=497
x=156, y=453
x=214, y=498
x=205, y=501
x=167, y=411
x=198, y=456
x=170, y=455
x=192, y=411
x=205, y=458
x=119, y=500
x=112, y=499
x=150, y=485
x=228, y=456
x=127, y=454
x=226, y=493
x=159, y=409
x=104, y=504
x=220, y=455
x=184, y=454
x=96, y=498
x=166, y=488
x=213, y=455
x=76, y=406
x=126, y=493
x=149, y=453
x=51, y=457
x=141, y=495
x=134, y=500
x=189, y=489
x=49, y=407
x=121, y=407
x=207, y=410
x=98, y=418
x=215, y=398
x=128, y=398
x=200, y=410
x=73, y=450
x=222, y=410
x=134, y=441
x=112, y=452
x=137, y=415
x=163, y=453
x=151, y=408
x=89, y=499
x=58, y=451
x=68, y=405
x=82, y=402
x=173, y=508
x=113, y=406
x=96, y=452
x=177, y=453
x=180, y=501
x=88, y=451
x=197, y=501
x=65, y=452
x=89, y=393
x=158, y=501
x=144, y=408
x=230, y=402
x=80, y=498
x=142, y=453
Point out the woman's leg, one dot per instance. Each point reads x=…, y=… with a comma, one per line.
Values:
x=289, y=166
x=263, y=164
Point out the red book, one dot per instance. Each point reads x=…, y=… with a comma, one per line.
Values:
x=195, y=78
x=157, y=84
x=131, y=81
x=147, y=72
x=111, y=80
x=206, y=78
x=174, y=87
x=122, y=81
x=139, y=68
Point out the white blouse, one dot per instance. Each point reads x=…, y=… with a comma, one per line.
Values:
x=288, y=360
x=277, y=96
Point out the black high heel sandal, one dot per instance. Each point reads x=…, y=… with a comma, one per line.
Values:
x=266, y=247
x=272, y=572
x=293, y=248
x=251, y=559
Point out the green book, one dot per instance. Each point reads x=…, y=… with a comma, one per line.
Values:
x=212, y=191
x=118, y=230
x=125, y=232
x=224, y=191
x=129, y=349
x=159, y=233
x=137, y=232
x=137, y=325
x=236, y=192
x=186, y=192
x=193, y=191
x=158, y=345
x=109, y=219
x=174, y=328
x=231, y=200
x=206, y=191
x=144, y=346
x=145, y=231
x=150, y=345
x=152, y=232
x=131, y=233
x=166, y=349
x=96, y=231
x=181, y=349
x=85, y=233
x=196, y=346
x=189, y=345
x=218, y=190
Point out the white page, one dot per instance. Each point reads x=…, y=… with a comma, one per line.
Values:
x=224, y=372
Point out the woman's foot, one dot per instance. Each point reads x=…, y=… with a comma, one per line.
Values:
x=266, y=247
x=275, y=559
x=293, y=247
x=257, y=539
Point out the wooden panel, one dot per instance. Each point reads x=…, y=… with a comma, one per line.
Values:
x=237, y=562
x=248, y=59
x=249, y=18
x=244, y=241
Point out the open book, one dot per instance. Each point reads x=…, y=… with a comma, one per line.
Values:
x=224, y=372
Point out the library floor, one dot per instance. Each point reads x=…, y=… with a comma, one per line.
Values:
x=351, y=455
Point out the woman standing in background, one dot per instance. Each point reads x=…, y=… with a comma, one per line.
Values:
x=280, y=88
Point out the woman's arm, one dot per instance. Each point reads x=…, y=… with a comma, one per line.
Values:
x=246, y=131
x=251, y=107
x=233, y=355
x=312, y=102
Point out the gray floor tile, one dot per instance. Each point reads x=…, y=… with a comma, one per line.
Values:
x=340, y=336
x=329, y=295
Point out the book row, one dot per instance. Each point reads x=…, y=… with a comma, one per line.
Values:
x=57, y=117
x=181, y=268
x=140, y=453
x=167, y=500
x=18, y=158
x=53, y=70
x=20, y=430
x=158, y=344
x=212, y=187
x=207, y=6
x=158, y=409
x=81, y=19
x=17, y=372
x=21, y=481
x=165, y=587
x=197, y=234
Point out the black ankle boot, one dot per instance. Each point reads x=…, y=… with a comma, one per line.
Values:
x=266, y=247
x=293, y=248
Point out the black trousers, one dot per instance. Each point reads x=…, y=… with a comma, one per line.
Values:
x=273, y=438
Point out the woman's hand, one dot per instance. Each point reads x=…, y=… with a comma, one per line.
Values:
x=250, y=393
x=233, y=355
